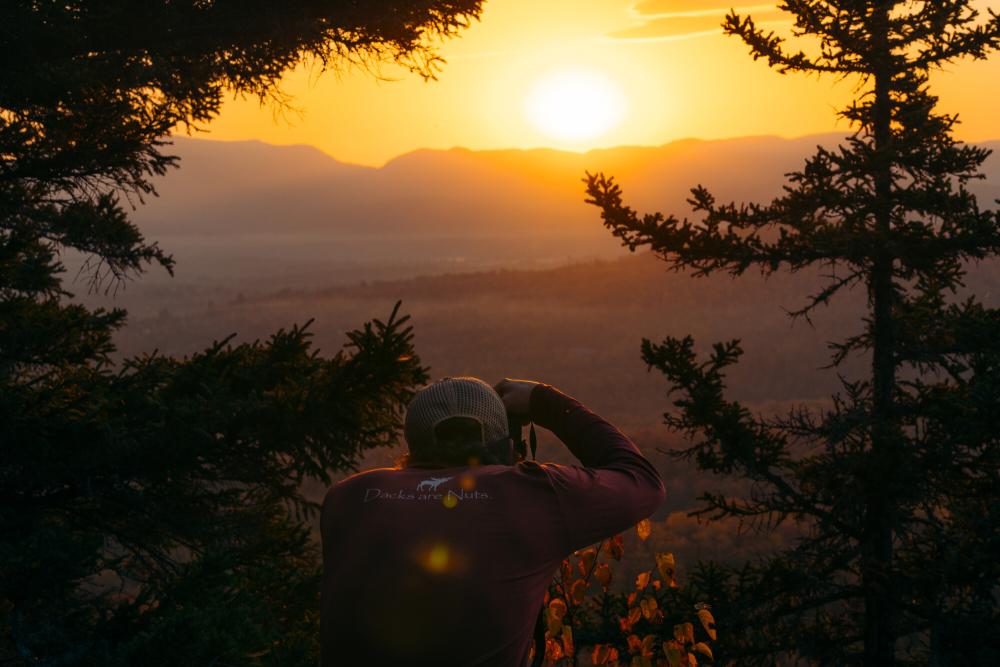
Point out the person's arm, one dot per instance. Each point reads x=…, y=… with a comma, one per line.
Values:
x=616, y=487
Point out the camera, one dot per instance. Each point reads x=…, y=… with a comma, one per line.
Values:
x=515, y=426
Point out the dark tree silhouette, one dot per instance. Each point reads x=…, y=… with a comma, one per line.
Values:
x=897, y=481
x=151, y=512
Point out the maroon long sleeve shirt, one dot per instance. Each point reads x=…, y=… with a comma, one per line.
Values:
x=449, y=566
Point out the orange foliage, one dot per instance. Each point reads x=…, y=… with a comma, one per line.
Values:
x=646, y=638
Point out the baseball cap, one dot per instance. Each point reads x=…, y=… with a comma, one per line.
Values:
x=454, y=397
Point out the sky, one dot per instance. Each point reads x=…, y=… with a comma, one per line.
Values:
x=577, y=75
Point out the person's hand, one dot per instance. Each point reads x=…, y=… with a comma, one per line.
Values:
x=516, y=395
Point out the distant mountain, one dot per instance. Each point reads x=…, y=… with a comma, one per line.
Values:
x=249, y=186
x=255, y=205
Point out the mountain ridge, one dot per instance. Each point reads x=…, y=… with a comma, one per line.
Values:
x=301, y=189
x=260, y=206
x=675, y=143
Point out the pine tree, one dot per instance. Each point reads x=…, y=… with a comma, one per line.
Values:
x=151, y=511
x=897, y=483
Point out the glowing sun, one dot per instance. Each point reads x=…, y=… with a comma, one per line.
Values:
x=574, y=105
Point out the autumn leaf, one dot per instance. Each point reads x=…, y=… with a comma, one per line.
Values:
x=567, y=572
x=642, y=580
x=601, y=654
x=553, y=650
x=578, y=591
x=648, y=606
x=684, y=633
x=634, y=644
x=707, y=622
x=648, y=642
x=587, y=558
x=557, y=608
x=666, y=565
x=673, y=652
x=702, y=647
x=603, y=574
x=634, y=614
x=567, y=640
x=555, y=626
x=644, y=528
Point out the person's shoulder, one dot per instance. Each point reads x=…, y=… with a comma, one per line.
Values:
x=530, y=468
x=362, y=477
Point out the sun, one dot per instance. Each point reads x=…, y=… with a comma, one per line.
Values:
x=574, y=105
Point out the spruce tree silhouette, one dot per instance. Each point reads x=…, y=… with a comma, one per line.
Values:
x=897, y=483
x=152, y=511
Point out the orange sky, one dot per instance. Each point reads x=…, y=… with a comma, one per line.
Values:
x=678, y=76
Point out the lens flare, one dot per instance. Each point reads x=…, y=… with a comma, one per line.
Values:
x=467, y=482
x=438, y=558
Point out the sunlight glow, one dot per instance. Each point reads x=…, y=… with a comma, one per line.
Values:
x=575, y=105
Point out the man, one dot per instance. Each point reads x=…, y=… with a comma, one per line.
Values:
x=445, y=560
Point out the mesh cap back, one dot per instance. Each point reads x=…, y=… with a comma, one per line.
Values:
x=454, y=397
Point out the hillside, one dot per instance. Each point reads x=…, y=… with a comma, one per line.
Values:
x=577, y=326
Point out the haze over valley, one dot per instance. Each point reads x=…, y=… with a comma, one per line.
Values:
x=249, y=214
